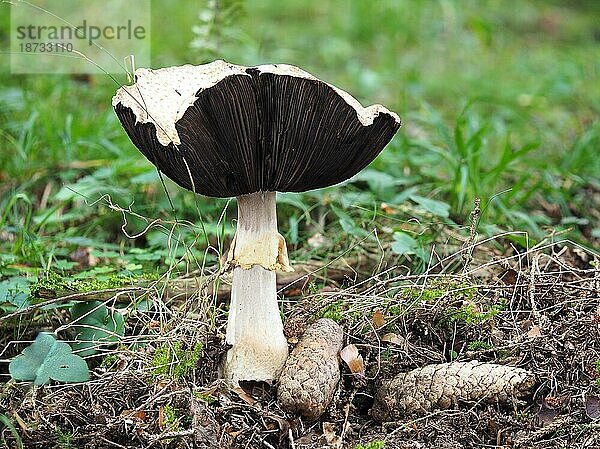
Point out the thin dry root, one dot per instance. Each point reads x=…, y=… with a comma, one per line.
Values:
x=312, y=371
x=441, y=386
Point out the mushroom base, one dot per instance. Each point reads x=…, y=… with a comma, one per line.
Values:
x=254, y=328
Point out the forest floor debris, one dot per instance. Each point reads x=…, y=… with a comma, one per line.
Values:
x=538, y=309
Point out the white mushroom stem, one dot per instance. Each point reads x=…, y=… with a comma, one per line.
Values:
x=254, y=327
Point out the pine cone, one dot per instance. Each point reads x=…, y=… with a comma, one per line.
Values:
x=441, y=386
x=311, y=372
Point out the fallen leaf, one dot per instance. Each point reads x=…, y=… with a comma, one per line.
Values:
x=161, y=384
x=283, y=424
x=524, y=326
x=138, y=414
x=546, y=414
x=234, y=433
x=385, y=207
x=244, y=396
x=493, y=426
x=509, y=277
x=353, y=359
x=205, y=392
x=534, y=332
x=161, y=417
x=349, y=352
x=357, y=366
x=83, y=256
x=329, y=433
x=378, y=319
x=394, y=339
x=122, y=364
x=592, y=407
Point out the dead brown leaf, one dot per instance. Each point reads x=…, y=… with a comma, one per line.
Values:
x=592, y=407
x=329, y=433
x=244, y=396
x=394, y=339
x=534, y=332
x=509, y=276
x=137, y=414
x=83, y=256
x=386, y=208
x=161, y=417
x=378, y=319
x=546, y=414
x=353, y=359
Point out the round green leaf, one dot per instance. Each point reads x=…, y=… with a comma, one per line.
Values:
x=47, y=359
x=95, y=324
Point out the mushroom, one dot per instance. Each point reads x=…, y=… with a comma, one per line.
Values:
x=224, y=130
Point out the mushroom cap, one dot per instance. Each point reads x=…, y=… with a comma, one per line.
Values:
x=225, y=130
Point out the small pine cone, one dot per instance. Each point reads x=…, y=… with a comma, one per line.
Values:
x=441, y=386
x=294, y=328
x=312, y=371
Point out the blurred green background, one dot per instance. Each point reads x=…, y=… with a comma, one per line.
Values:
x=499, y=99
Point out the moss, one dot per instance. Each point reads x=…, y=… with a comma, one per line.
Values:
x=109, y=361
x=207, y=398
x=375, y=444
x=88, y=285
x=458, y=290
x=470, y=315
x=478, y=344
x=53, y=283
x=175, y=419
x=171, y=418
x=504, y=354
x=409, y=297
x=175, y=361
x=452, y=291
x=333, y=311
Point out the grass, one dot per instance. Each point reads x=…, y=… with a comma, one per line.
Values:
x=495, y=105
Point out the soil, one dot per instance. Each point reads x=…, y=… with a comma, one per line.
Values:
x=537, y=309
